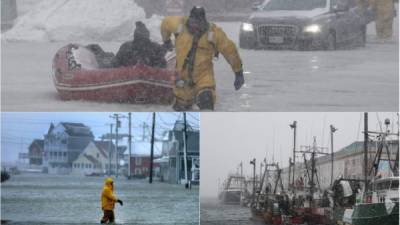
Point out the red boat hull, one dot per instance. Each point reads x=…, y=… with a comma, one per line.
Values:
x=137, y=84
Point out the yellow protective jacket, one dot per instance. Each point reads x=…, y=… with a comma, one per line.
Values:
x=108, y=198
x=213, y=41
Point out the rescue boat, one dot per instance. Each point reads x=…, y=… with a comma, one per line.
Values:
x=78, y=76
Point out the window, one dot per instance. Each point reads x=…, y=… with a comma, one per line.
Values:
x=77, y=165
x=82, y=165
x=98, y=155
x=90, y=166
x=138, y=161
x=64, y=154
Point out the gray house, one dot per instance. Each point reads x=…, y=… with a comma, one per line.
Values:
x=172, y=162
x=35, y=154
x=62, y=145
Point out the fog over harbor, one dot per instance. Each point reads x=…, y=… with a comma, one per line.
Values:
x=229, y=138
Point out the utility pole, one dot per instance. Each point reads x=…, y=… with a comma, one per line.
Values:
x=116, y=116
x=294, y=127
x=253, y=162
x=365, y=152
x=130, y=144
x=333, y=129
x=152, y=148
x=110, y=150
x=289, y=173
x=185, y=148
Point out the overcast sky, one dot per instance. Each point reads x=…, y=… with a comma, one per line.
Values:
x=229, y=138
x=19, y=129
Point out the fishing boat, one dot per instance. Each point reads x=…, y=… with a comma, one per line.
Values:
x=78, y=75
x=234, y=190
x=270, y=202
x=379, y=203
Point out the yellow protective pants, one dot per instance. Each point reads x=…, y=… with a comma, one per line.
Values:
x=186, y=95
x=384, y=18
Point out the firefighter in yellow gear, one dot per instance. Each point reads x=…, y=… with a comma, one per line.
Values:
x=108, y=200
x=196, y=43
x=384, y=13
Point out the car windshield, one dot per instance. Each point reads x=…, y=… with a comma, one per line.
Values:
x=294, y=4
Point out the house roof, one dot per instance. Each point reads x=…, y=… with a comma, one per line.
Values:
x=38, y=142
x=91, y=159
x=77, y=129
x=104, y=146
x=50, y=128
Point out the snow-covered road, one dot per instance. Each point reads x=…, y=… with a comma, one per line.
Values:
x=363, y=79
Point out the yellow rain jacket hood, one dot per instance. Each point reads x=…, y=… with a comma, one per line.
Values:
x=211, y=42
x=108, y=198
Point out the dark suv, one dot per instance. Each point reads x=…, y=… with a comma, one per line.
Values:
x=304, y=24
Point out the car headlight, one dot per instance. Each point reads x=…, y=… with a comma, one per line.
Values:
x=247, y=27
x=314, y=28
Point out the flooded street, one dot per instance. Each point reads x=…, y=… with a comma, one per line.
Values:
x=275, y=80
x=52, y=199
x=214, y=213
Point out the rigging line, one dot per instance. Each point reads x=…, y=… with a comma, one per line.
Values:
x=163, y=121
x=193, y=117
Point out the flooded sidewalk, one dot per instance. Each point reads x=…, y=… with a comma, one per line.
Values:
x=57, y=199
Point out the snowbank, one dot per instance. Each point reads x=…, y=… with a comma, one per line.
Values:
x=77, y=21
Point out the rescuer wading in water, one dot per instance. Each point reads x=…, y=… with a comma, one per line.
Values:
x=197, y=41
x=108, y=200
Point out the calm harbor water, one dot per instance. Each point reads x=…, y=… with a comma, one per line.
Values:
x=56, y=199
x=214, y=213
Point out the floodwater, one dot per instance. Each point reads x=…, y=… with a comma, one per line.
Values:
x=361, y=79
x=57, y=199
x=214, y=213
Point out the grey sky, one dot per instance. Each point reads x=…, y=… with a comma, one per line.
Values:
x=19, y=129
x=229, y=138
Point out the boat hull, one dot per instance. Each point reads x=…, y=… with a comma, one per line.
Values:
x=139, y=84
x=374, y=214
x=230, y=197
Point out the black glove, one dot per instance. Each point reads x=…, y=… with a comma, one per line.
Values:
x=239, y=80
x=120, y=202
x=168, y=45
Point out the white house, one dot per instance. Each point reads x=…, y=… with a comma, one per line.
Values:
x=95, y=159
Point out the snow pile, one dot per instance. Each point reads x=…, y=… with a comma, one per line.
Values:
x=77, y=21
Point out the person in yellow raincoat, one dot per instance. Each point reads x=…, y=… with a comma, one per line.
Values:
x=108, y=200
x=197, y=41
x=384, y=14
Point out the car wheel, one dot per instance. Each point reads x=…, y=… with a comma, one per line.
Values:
x=331, y=42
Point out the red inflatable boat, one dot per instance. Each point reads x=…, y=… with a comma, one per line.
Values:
x=78, y=76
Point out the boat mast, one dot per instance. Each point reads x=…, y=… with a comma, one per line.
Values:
x=333, y=129
x=366, y=152
x=294, y=127
x=253, y=162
